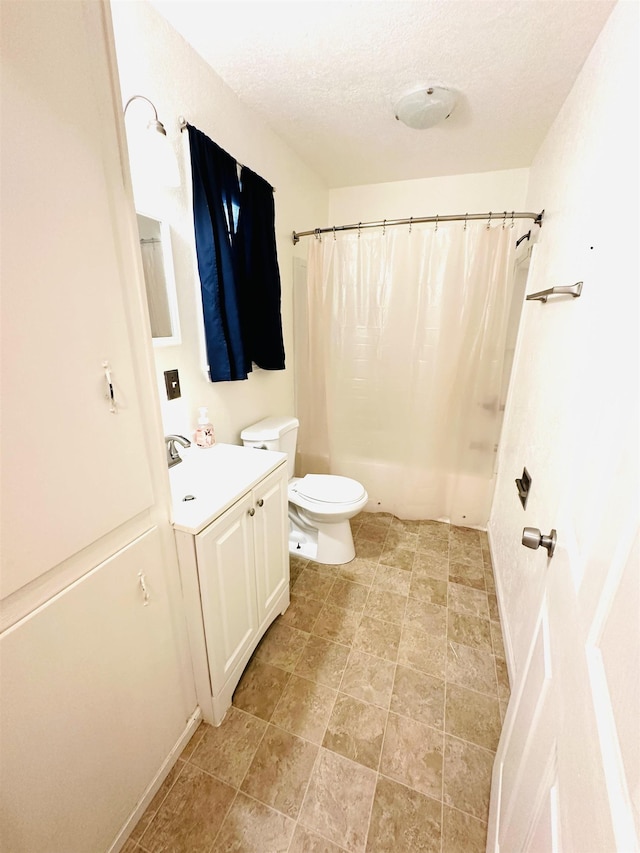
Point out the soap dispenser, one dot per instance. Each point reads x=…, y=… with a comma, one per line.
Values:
x=204, y=436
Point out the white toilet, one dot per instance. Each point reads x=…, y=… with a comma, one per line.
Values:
x=320, y=505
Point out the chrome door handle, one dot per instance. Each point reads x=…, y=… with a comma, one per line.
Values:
x=532, y=538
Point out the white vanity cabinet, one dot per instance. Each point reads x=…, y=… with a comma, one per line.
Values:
x=235, y=572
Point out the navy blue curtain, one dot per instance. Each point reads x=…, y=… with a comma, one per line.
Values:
x=259, y=275
x=240, y=282
x=216, y=201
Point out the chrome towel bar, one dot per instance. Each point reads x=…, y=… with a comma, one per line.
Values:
x=543, y=295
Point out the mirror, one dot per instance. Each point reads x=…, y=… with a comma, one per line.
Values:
x=159, y=279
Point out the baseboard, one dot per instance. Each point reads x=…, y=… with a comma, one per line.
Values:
x=504, y=621
x=192, y=724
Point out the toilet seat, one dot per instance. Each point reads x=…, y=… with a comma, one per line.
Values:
x=329, y=489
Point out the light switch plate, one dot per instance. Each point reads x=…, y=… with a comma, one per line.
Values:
x=172, y=384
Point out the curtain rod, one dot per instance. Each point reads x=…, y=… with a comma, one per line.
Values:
x=467, y=217
x=183, y=124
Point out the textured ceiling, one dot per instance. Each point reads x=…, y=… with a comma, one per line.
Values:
x=325, y=75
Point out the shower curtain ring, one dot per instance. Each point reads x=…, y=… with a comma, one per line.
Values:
x=437, y=217
x=384, y=227
x=512, y=215
x=318, y=234
x=465, y=221
x=410, y=224
x=334, y=232
x=359, y=224
x=504, y=221
x=489, y=222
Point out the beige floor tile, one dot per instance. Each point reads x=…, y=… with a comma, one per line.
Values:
x=504, y=704
x=280, y=771
x=349, y=595
x=463, y=833
x=397, y=557
x=193, y=741
x=368, y=550
x=338, y=801
x=437, y=529
x=302, y=612
x=368, y=678
x=504, y=689
x=489, y=581
x=377, y=638
x=431, y=618
x=469, y=630
x=306, y=841
x=191, y=815
x=412, y=754
x=403, y=820
x=497, y=640
x=260, y=689
x=418, y=696
x=356, y=730
x=393, y=580
x=296, y=565
x=466, y=599
x=407, y=524
x=422, y=651
x=467, y=574
x=385, y=605
x=322, y=661
x=430, y=544
x=399, y=537
x=486, y=558
x=372, y=532
x=384, y=519
x=428, y=564
x=304, y=708
x=465, y=552
x=472, y=716
x=130, y=847
x=159, y=796
x=336, y=624
x=281, y=646
x=251, y=827
x=359, y=571
x=494, y=613
x=466, y=535
x=429, y=589
x=227, y=751
x=472, y=668
x=313, y=584
x=467, y=777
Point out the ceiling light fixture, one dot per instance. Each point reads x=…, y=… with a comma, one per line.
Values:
x=156, y=156
x=425, y=107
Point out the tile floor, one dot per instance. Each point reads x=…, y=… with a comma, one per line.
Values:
x=368, y=717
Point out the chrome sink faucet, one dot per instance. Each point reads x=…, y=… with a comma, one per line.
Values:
x=173, y=457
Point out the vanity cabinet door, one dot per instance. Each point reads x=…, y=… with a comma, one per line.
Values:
x=227, y=588
x=270, y=529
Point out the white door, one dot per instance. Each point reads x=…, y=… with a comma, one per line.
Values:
x=567, y=770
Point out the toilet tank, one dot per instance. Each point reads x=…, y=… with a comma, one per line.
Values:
x=279, y=433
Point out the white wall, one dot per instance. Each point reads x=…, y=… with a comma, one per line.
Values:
x=585, y=175
x=155, y=61
x=473, y=193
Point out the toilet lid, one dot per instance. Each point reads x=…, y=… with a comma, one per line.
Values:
x=329, y=488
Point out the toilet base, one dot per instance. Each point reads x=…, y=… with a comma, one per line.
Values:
x=327, y=543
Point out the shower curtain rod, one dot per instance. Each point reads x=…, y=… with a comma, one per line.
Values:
x=467, y=217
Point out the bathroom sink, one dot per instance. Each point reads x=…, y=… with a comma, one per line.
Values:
x=210, y=480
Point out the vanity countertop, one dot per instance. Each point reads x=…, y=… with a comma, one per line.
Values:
x=216, y=477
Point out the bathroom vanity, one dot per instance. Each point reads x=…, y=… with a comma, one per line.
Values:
x=231, y=530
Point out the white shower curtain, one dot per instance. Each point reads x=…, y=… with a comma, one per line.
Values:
x=399, y=374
